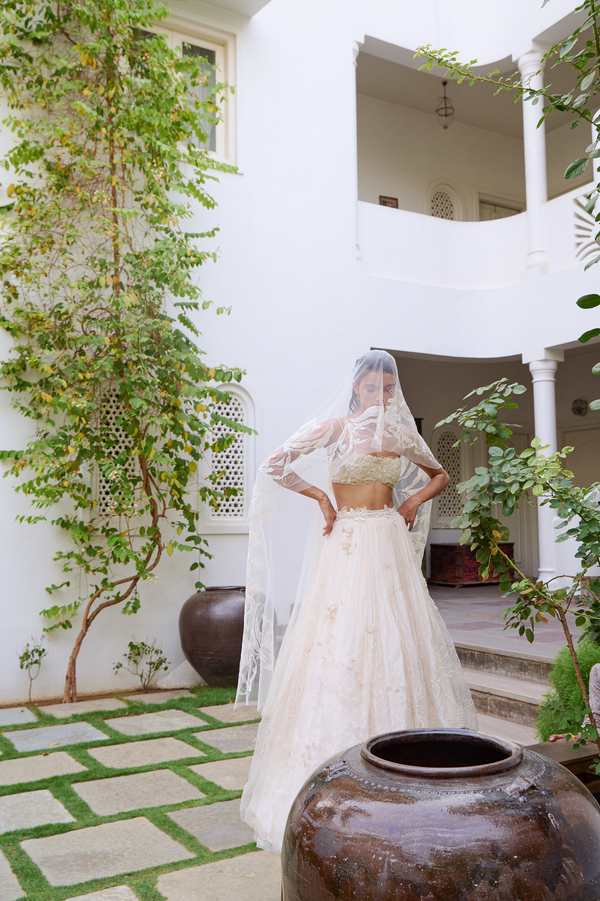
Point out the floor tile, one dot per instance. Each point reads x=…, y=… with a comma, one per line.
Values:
x=232, y=740
x=29, y=809
x=122, y=793
x=10, y=889
x=159, y=697
x=229, y=774
x=118, y=893
x=251, y=877
x=106, y=850
x=14, y=716
x=142, y=753
x=61, y=711
x=218, y=826
x=226, y=714
x=161, y=721
x=30, y=769
x=53, y=736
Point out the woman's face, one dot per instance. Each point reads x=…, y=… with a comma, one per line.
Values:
x=373, y=388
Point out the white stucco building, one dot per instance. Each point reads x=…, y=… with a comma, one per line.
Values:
x=474, y=276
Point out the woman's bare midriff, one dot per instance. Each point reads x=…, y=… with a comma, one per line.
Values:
x=373, y=496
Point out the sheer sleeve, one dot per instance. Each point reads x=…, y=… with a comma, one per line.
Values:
x=409, y=444
x=279, y=465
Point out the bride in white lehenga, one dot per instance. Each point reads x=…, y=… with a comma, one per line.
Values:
x=366, y=650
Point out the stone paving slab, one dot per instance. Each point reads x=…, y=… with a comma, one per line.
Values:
x=232, y=740
x=118, y=893
x=61, y=711
x=248, y=877
x=106, y=850
x=229, y=774
x=159, y=697
x=52, y=736
x=29, y=809
x=122, y=793
x=141, y=753
x=218, y=826
x=30, y=769
x=161, y=721
x=10, y=889
x=14, y=716
x=226, y=714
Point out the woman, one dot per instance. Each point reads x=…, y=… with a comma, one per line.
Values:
x=366, y=650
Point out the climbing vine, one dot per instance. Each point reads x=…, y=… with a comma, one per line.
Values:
x=100, y=295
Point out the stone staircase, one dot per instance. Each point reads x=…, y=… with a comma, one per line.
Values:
x=507, y=689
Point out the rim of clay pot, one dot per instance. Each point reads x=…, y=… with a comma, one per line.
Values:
x=509, y=754
x=226, y=588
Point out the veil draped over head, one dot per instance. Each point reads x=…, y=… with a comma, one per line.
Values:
x=367, y=415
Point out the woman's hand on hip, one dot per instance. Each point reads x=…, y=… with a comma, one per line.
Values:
x=329, y=514
x=408, y=511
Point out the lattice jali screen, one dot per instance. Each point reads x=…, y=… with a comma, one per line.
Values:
x=449, y=457
x=112, y=410
x=441, y=205
x=232, y=461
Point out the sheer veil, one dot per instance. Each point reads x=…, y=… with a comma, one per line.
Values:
x=366, y=415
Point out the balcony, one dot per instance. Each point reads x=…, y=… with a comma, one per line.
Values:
x=412, y=247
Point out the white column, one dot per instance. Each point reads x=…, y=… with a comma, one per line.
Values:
x=543, y=373
x=355, y=51
x=596, y=161
x=534, y=146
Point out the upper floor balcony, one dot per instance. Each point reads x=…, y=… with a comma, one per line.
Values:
x=475, y=204
x=412, y=247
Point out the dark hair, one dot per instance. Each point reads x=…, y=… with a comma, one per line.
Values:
x=373, y=361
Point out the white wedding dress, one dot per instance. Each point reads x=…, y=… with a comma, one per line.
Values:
x=368, y=654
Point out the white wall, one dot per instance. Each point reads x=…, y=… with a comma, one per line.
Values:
x=303, y=305
x=402, y=152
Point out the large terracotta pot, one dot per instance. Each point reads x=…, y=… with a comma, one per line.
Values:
x=211, y=624
x=442, y=815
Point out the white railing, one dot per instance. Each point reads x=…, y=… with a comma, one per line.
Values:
x=411, y=247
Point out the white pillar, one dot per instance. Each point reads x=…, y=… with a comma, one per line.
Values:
x=355, y=51
x=596, y=161
x=534, y=146
x=543, y=373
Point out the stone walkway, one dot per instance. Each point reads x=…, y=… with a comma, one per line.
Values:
x=133, y=799
x=137, y=798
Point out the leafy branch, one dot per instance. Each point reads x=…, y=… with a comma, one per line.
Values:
x=511, y=478
x=100, y=294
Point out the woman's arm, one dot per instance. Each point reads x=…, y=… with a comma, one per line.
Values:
x=279, y=465
x=438, y=479
x=327, y=508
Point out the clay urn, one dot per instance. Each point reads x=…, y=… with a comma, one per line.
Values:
x=211, y=624
x=442, y=815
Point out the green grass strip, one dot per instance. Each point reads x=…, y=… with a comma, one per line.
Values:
x=143, y=883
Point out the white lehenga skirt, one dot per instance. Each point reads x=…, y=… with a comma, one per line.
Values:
x=369, y=653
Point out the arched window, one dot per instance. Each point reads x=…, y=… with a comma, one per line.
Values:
x=235, y=466
x=231, y=462
x=442, y=206
x=121, y=441
x=448, y=456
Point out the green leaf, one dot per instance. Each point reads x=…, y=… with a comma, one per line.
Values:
x=588, y=301
x=587, y=81
x=592, y=333
x=576, y=167
x=538, y=490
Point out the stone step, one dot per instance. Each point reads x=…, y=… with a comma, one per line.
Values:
x=505, y=696
x=515, y=732
x=524, y=667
